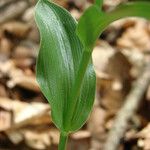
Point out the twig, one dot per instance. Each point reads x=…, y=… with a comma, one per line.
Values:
x=129, y=108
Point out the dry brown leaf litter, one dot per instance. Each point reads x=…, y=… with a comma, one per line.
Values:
x=22, y=106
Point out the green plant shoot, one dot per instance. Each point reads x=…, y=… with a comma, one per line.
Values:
x=64, y=67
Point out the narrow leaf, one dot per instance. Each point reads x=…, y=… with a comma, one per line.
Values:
x=131, y=9
x=96, y=21
x=90, y=25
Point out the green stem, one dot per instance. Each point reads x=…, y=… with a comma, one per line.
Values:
x=99, y=3
x=62, y=141
x=76, y=88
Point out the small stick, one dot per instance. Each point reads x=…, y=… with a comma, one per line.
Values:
x=127, y=111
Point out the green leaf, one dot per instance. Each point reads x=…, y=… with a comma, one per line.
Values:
x=131, y=9
x=64, y=69
x=96, y=21
x=90, y=25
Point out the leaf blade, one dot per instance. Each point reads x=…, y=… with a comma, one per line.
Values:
x=95, y=20
x=58, y=64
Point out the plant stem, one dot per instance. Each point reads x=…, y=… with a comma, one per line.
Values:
x=76, y=88
x=62, y=141
x=99, y=3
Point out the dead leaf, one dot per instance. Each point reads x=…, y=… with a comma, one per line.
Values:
x=140, y=40
x=15, y=29
x=6, y=46
x=80, y=140
x=96, y=123
x=144, y=138
x=37, y=140
x=10, y=12
x=28, y=15
x=25, y=113
x=100, y=56
x=6, y=118
x=27, y=82
x=26, y=51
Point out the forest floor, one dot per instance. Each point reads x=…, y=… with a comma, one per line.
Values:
x=121, y=57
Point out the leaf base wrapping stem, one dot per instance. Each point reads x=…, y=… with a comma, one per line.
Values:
x=63, y=141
